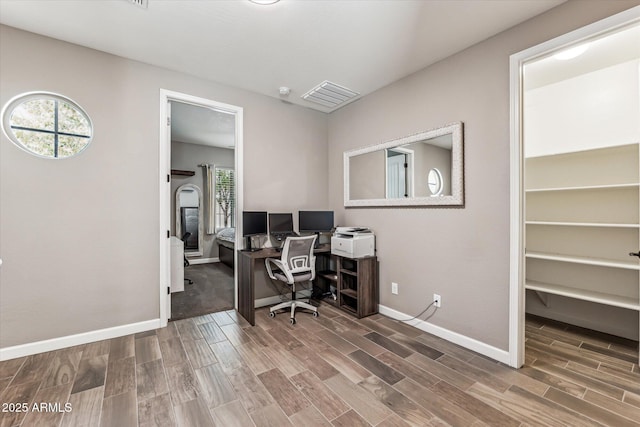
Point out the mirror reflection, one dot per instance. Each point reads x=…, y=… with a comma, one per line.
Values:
x=189, y=225
x=423, y=169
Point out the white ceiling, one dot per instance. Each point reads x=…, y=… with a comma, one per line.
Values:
x=362, y=45
x=604, y=50
x=202, y=126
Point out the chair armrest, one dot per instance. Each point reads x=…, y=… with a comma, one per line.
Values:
x=313, y=267
x=280, y=265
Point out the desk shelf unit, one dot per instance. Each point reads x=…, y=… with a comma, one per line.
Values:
x=582, y=221
x=355, y=282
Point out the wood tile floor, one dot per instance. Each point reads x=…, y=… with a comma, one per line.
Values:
x=334, y=370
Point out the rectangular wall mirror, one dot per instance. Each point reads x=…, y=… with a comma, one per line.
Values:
x=425, y=169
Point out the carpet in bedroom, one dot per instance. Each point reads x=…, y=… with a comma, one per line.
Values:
x=212, y=291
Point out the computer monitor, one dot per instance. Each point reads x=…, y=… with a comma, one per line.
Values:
x=280, y=223
x=315, y=221
x=254, y=223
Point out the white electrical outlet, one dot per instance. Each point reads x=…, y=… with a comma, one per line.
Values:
x=437, y=300
x=394, y=288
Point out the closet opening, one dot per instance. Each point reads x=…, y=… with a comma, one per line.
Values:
x=575, y=185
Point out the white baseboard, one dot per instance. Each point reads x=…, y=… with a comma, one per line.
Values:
x=454, y=337
x=203, y=261
x=77, y=339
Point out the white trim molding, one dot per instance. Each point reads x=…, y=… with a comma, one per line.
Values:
x=203, y=261
x=164, y=144
x=454, y=337
x=77, y=339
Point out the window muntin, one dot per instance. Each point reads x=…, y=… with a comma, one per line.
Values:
x=225, y=194
x=47, y=125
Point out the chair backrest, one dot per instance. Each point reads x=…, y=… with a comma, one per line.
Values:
x=297, y=254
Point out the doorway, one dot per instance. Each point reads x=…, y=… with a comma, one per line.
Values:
x=399, y=173
x=575, y=179
x=201, y=194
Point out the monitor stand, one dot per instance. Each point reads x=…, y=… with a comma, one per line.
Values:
x=249, y=244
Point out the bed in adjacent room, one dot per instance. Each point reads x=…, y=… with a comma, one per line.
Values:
x=226, y=238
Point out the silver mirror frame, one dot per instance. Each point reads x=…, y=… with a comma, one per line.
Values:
x=190, y=253
x=457, y=170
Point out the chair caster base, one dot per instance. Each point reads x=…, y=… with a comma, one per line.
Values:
x=292, y=306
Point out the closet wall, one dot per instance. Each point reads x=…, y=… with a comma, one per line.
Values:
x=582, y=199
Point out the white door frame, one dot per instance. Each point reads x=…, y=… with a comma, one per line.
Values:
x=517, y=205
x=166, y=97
x=409, y=178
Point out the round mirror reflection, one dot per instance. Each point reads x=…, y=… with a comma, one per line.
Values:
x=434, y=182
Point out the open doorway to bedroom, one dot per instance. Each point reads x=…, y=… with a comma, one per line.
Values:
x=203, y=207
x=201, y=144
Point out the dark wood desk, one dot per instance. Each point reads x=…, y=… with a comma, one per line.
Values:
x=246, y=277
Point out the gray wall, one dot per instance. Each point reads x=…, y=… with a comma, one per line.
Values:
x=461, y=254
x=367, y=176
x=185, y=156
x=80, y=237
x=428, y=157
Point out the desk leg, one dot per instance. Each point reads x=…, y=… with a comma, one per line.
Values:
x=246, y=292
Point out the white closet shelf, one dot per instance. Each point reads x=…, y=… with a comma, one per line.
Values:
x=585, y=150
x=602, y=262
x=584, y=224
x=585, y=187
x=586, y=295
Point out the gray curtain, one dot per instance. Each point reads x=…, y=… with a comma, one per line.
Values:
x=209, y=199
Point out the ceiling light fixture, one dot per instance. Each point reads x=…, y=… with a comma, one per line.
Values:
x=264, y=2
x=572, y=52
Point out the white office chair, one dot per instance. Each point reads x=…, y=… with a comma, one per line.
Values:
x=296, y=264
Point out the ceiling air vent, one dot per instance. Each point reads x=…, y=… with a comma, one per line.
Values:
x=142, y=3
x=330, y=95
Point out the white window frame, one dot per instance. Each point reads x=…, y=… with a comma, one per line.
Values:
x=7, y=127
x=218, y=210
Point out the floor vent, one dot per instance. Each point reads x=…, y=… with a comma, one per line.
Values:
x=142, y=3
x=330, y=95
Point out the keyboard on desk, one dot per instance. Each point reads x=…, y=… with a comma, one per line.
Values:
x=282, y=236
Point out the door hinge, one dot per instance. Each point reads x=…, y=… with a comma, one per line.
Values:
x=406, y=165
x=168, y=290
x=168, y=178
x=168, y=121
x=168, y=234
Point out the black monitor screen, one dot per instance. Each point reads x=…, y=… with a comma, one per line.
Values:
x=280, y=223
x=315, y=221
x=254, y=223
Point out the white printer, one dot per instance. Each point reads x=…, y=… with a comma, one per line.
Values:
x=353, y=242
